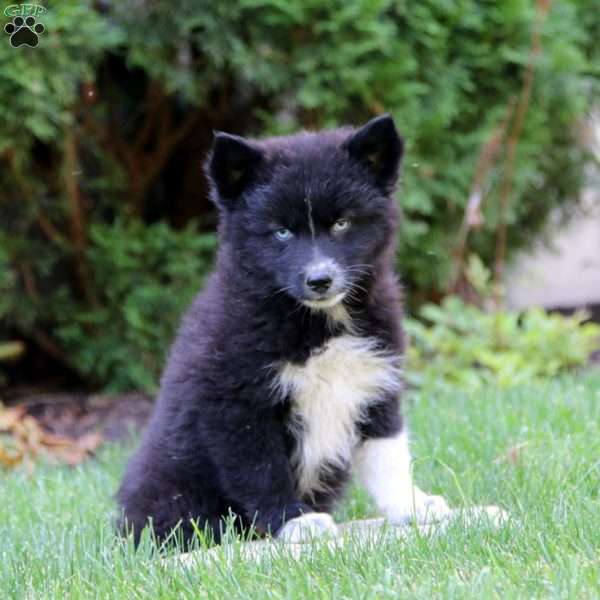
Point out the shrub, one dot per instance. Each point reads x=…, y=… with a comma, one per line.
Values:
x=109, y=118
x=141, y=278
x=465, y=345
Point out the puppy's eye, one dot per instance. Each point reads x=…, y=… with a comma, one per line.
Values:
x=283, y=234
x=341, y=225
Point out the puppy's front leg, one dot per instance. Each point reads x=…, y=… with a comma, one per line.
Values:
x=383, y=467
x=250, y=455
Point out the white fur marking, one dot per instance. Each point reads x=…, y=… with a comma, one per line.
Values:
x=330, y=392
x=383, y=467
x=311, y=223
x=339, y=315
x=324, y=304
x=336, y=314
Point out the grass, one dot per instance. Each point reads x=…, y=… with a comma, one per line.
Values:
x=56, y=539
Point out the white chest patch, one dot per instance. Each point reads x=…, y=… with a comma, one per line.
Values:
x=329, y=394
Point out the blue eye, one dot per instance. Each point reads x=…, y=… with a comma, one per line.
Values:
x=283, y=234
x=341, y=225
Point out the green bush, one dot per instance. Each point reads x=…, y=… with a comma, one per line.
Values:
x=109, y=119
x=142, y=277
x=8, y=350
x=464, y=345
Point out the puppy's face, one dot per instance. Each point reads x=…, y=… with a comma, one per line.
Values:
x=308, y=214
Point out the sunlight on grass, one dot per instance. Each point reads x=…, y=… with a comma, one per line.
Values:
x=534, y=451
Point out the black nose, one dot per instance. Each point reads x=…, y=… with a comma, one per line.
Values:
x=319, y=282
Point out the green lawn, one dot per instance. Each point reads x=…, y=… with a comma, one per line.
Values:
x=56, y=539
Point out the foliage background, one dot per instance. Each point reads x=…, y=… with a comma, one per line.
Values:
x=105, y=228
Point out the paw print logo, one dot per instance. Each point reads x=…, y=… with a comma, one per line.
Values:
x=24, y=32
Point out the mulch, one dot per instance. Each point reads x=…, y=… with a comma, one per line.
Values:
x=74, y=415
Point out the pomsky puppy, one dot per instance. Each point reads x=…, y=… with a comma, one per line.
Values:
x=285, y=375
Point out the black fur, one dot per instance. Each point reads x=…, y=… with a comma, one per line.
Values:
x=218, y=441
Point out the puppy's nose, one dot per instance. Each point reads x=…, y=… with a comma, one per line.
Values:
x=319, y=282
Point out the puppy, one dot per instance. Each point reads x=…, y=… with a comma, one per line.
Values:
x=285, y=375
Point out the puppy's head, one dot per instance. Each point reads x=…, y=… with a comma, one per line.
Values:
x=308, y=214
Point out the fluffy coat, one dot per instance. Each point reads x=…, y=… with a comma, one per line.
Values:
x=287, y=364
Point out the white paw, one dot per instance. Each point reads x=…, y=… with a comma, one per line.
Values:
x=494, y=515
x=419, y=507
x=307, y=527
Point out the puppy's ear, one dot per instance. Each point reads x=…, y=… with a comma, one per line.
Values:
x=379, y=147
x=231, y=166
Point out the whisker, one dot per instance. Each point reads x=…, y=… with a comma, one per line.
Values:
x=281, y=290
x=356, y=286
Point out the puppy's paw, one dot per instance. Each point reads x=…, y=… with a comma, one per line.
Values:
x=494, y=515
x=419, y=507
x=307, y=527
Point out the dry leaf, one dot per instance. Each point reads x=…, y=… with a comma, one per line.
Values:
x=513, y=455
x=90, y=442
x=28, y=441
x=9, y=417
x=10, y=459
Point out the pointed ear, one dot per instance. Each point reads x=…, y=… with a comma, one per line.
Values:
x=379, y=147
x=231, y=165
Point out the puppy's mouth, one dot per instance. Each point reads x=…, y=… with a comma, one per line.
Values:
x=325, y=302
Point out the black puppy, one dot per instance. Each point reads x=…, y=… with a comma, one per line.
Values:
x=285, y=374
